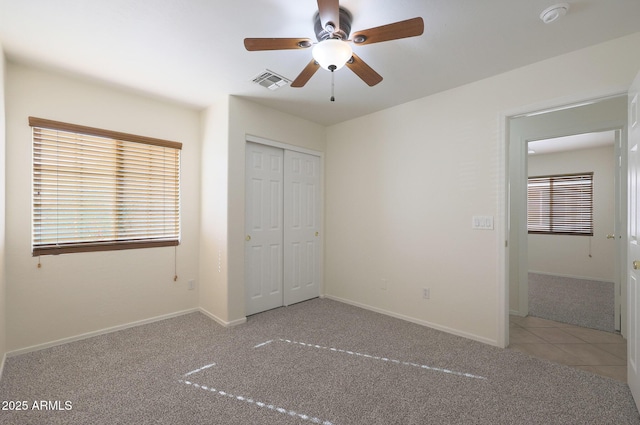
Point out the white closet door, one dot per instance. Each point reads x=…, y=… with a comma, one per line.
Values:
x=301, y=227
x=264, y=228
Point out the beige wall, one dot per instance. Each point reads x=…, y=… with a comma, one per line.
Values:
x=3, y=307
x=213, y=228
x=579, y=256
x=222, y=254
x=74, y=294
x=403, y=185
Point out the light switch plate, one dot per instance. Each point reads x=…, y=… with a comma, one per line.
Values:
x=482, y=222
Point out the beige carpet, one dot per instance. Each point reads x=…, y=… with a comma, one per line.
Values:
x=318, y=362
x=580, y=302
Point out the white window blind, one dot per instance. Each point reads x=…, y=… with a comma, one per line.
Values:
x=560, y=204
x=96, y=190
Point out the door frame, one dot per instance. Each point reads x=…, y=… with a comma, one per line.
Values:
x=286, y=146
x=515, y=168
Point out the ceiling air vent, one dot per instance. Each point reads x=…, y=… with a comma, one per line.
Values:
x=270, y=80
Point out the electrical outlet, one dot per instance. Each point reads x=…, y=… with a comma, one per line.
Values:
x=192, y=285
x=426, y=293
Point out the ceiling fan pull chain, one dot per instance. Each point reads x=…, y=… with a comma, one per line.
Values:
x=332, y=68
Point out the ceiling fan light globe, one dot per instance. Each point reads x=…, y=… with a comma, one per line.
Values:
x=332, y=52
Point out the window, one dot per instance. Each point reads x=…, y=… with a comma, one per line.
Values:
x=561, y=204
x=99, y=190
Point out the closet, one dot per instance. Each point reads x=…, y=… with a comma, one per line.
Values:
x=282, y=224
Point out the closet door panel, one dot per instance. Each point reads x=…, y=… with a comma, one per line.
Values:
x=264, y=227
x=301, y=227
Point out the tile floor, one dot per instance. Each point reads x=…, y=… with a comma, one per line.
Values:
x=599, y=352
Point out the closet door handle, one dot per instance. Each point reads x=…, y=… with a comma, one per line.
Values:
x=611, y=236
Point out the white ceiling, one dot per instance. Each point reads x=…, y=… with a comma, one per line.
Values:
x=192, y=50
x=573, y=142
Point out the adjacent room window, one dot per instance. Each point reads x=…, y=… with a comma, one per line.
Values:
x=560, y=204
x=99, y=190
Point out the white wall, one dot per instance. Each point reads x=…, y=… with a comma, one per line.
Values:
x=570, y=255
x=74, y=294
x=403, y=185
x=213, y=230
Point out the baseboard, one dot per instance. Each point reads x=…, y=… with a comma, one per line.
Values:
x=594, y=279
x=233, y=323
x=223, y=322
x=416, y=321
x=98, y=332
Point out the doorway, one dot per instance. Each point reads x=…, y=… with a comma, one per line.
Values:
x=608, y=114
x=573, y=231
x=282, y=227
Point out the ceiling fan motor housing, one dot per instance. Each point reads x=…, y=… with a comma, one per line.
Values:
x=340, y=30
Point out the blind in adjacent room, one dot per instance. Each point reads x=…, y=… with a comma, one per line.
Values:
x=96, y=190
x=560, y=204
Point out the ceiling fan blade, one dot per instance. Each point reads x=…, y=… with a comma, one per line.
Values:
x=364, y=71
x=256, y=44
x=403, y=29
x=306, y=74
x=329, y=11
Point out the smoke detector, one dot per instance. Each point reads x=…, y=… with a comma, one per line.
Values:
x=555, y=12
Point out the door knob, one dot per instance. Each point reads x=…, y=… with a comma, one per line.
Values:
x=611, y=236
x=248, y=238
x=636, y=265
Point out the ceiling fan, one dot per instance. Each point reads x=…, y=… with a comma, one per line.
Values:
x=332, y=26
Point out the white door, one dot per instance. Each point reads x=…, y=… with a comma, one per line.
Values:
x=302, y=227
x=282, y=223
x=633, y=333
x=264, y=227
